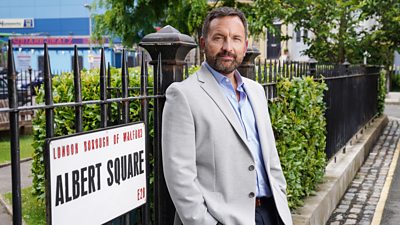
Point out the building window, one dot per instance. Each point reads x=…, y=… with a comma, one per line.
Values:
x=298, y=35
x=305, y=34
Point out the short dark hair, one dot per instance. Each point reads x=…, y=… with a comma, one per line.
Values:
x=222, y=12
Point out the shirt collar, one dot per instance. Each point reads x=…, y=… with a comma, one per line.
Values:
x=221, y=79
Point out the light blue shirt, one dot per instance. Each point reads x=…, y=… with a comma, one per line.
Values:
x=245, y=114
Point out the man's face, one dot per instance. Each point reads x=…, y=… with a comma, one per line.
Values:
x=225, y=44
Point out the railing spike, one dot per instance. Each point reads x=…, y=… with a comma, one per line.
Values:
x=103, y=90
x=159, y=72
x=142, y=65
x=14, y=140
x=108, y=91
x=125, y=91
x=77, y=92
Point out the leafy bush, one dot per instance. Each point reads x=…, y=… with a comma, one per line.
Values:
x=381, y=92
x=299, y=125
x=64, y=117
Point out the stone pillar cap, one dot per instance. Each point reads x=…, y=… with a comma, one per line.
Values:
x=168, y=35
x=253, y=49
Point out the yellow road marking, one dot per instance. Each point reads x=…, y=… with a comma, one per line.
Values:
x=385, y=190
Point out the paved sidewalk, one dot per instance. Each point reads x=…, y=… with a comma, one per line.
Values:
x=5, y=186
x=393, y=98
x=5, y=218
x=359, y=202
x=5, y=177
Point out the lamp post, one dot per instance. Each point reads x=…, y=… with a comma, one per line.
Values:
x=89, y=7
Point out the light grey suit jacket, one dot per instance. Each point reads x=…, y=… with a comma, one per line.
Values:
x=205, y=156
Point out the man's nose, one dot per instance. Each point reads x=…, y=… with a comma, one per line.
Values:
x=227, y=46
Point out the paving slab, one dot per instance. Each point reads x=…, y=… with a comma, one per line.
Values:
x=5, y=186
x=5, y=218
x=5, y=176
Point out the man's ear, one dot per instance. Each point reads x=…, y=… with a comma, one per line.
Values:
x=202, y=42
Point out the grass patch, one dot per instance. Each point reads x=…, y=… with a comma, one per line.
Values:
x=33, y=212
x=25, y=148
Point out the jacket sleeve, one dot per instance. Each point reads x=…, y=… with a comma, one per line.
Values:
x=179, y=159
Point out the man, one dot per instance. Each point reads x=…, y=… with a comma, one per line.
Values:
x=220, y=161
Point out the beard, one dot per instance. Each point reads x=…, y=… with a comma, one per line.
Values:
x=221, y=65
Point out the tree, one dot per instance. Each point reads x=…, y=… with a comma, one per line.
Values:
x=336, y=24
x=332, y=22
x=132, y=20
x=339, y=27
x=383, y=38
x=127, y=19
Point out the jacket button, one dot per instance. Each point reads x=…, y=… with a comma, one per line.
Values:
x=251, y=168
x=251, y=195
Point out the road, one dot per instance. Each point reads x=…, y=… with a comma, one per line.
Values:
x=392, y=110
x=391, y=215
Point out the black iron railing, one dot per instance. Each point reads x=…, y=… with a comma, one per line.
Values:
x=351, y=98
x=105, y=93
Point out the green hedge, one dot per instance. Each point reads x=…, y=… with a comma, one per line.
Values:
x=64, y=117
x=299, y=125
x=381, y=92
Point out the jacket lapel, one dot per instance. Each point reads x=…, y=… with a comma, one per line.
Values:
x=211, y=87
x=260, y=117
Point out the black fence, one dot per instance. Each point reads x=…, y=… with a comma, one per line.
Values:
x=351, y=101
x=167, y=69
x=351, y=98
x=16, y=107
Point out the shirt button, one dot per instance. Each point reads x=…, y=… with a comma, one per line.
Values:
x=251, y=195
x=251, y=168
